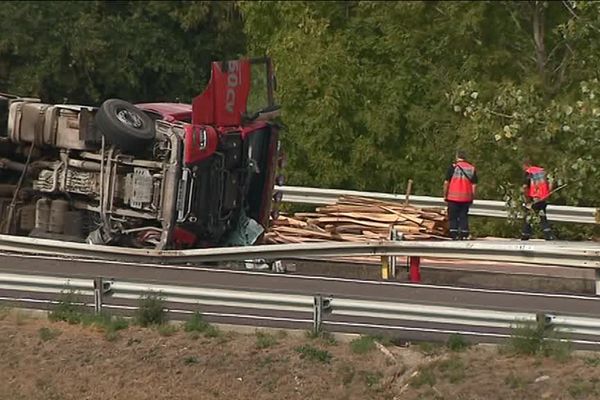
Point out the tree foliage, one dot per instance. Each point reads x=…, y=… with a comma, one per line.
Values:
x=376, y=93
x=93, y=50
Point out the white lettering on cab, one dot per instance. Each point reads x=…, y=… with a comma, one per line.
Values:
x=233, y=81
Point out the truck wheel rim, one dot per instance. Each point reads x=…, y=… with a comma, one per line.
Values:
x=130, y=119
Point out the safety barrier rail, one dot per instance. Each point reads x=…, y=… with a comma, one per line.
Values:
x=318, y=310
x=568, y=254
x=483, y=208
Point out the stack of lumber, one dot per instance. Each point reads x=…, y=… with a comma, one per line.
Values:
x=358, y=219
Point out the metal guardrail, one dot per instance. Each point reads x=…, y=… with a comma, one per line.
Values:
x=483, y=208
x=581, y=255
x=324, y=309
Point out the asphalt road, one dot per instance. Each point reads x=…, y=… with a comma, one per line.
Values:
x=309, y=285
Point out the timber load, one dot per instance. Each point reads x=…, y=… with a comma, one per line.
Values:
x=360, y=219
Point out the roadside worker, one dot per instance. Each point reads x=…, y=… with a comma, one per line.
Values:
x=536, y=191
x=459, y=191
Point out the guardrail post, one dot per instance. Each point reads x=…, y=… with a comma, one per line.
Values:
x=544, y=322
x=322, y=305
x=98, y=295
x=597, y=273
x=385, y=268
x=388, y=263
x=414, y=269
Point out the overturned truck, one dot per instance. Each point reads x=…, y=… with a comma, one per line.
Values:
x=152, y=175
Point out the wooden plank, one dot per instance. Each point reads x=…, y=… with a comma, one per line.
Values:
x=289, y=221
x=347, y=220
x=377, y=217
x=307, y=215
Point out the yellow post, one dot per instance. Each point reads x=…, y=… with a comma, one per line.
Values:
x=385, y=268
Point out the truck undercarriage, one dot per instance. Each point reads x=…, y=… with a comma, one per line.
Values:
x=131, y=176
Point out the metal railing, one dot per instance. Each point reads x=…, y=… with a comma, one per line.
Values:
x=483, y=208
x=318, y=310
x=580, y=255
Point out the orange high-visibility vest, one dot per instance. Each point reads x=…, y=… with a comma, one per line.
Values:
x=538, y=185
x=460, y=188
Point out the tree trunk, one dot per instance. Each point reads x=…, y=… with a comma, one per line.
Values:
x=538, y=21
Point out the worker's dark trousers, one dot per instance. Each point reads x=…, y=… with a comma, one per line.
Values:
x=538, y=209
x=458, y=217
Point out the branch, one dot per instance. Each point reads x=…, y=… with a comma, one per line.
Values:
x=440, y=11
x=568, y=7
x=501, y=114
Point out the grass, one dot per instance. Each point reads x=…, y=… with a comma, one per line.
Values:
x=268, y=360
x=457, y=343
x=166, y=330
x=314, y=354
x=592, y=361
x=71, y=311
x=426, y=376
x=47, y=334
x=363, y=345
x=514, y=381
x=452, y=369
x=282, y=334
x=265, y=340
x=4, y=311
x=196, y=325
x=212, y=332
x=324, y=336
x=536, y=339
x=372, y=378
x=21, y=317
x=151, y=310
x=190, y=360
x=346, y=372
x=581, y=389
x=429, y=349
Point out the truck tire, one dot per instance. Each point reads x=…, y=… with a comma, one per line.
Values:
x=125, y=125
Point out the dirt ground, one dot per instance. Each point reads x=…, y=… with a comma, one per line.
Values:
x=55, y=361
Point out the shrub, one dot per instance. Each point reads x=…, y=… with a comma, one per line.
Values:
x=457, y=342
x=313, y=354
x=151, y=310
x=536, y=338
x=196, y=323
x=68, y=308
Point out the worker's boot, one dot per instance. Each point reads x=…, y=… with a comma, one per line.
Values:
x=548, y=235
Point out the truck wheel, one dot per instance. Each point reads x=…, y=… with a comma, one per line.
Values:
x=124, y=125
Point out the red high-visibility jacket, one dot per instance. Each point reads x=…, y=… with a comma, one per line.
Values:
x=539, y=189
x=460, y=187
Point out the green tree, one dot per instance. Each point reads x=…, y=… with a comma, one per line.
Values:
x=136, y=50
